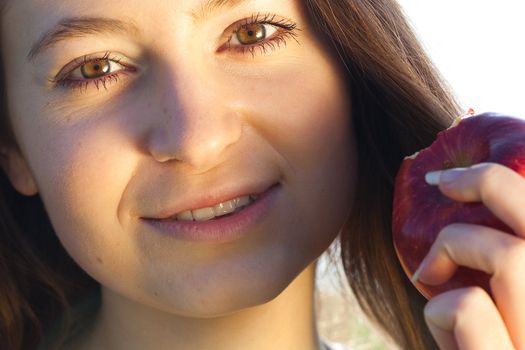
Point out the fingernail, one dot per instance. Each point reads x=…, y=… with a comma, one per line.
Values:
x=432, y=178
x=443, y=176
x=451, y=175
x=416, y=274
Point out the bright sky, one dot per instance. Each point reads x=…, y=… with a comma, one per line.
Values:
x=479, y=47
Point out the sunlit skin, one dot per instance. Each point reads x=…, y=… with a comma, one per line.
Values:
x=186, y=117
x=468, y=318
x=190, y=113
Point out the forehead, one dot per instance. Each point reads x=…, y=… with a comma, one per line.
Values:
x=47, y=10
x=25, y=21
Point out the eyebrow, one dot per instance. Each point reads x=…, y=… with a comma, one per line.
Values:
x=211, y=6
x=76, y=27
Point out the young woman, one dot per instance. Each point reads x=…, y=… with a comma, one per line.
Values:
x=173, y=169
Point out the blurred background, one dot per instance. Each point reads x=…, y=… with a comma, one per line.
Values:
x=478, y=47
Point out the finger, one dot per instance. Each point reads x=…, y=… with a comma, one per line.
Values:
x=500, y=188
x=466, y=319
x=478, y=247
x=483, y=248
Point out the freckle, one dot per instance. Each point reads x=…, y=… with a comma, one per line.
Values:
x=156, y=294
x=99, y=260
x=165, y=110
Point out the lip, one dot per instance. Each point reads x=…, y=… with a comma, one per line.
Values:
x=210, y=199
x=223, y=228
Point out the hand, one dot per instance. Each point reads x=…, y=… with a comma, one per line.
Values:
x=469, y=318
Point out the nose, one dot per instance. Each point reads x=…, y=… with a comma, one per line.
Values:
x=193, y=125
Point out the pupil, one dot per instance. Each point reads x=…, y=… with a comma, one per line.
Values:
x=251, y=34
x=95, y=69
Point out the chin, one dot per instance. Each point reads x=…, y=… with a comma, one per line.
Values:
x=210, y=296
x=236, y=301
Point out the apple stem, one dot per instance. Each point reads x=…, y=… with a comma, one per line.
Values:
x=467, y=114
x=470, y=112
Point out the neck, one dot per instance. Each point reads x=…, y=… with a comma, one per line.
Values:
x=286, y=322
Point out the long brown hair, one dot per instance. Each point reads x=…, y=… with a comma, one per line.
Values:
x=399, y=103
x=39, y=280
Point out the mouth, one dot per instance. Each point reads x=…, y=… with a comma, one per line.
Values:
x=241, y=217
x=224, y=209
x=215, y=206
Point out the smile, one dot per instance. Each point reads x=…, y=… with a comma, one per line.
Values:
x=233, y=219
x=221, y=209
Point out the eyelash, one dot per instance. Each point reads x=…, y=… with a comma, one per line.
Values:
x=285, y=29
x=63, y=80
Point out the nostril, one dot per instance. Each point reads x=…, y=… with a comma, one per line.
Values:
x=201, y=136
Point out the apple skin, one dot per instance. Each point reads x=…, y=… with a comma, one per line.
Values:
x=420, y=210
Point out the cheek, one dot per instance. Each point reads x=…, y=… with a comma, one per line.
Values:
x=306, y=116
x=303, y=106
x=82, y=173
x=302, y=110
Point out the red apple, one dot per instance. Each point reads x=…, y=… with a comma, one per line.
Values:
x=420, y=210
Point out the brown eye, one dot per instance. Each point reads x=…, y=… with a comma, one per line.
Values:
x=95, y=69
x=250, y=34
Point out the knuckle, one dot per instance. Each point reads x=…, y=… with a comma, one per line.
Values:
x=514, y=257
x=488, y=178
x=447, y=239
x=450, y=231
x=451, y=308
x=471, y=298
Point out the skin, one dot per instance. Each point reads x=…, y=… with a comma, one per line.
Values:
x=190, y=118
x=469, y=318
x=187, y=120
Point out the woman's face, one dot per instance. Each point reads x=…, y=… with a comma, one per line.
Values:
x=131, y=108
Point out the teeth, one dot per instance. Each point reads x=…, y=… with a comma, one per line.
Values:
x=185, y=215
x=220, y=209
x=203, y=214
x=239, y=202
x=224, y=208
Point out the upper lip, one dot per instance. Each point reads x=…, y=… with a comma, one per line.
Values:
x=203, y=198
